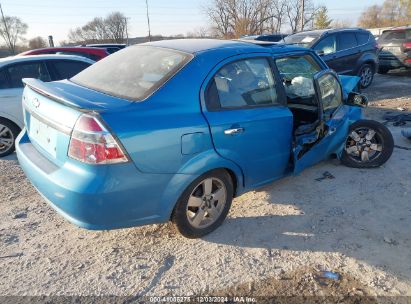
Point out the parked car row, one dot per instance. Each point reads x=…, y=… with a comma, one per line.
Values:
x=12, y=71
x=174, y=130
x=353, y=51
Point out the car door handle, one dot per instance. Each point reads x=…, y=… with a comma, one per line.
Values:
x=234, y=131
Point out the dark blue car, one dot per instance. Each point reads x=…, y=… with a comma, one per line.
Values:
x=174, y=130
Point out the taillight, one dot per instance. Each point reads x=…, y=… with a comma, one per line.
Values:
x=407, y=45
x=92, y=143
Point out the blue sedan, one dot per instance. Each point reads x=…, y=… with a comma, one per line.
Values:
x=174, y=130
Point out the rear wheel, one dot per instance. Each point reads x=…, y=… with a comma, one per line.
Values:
x=369, y=144
x=8, y=133
x=204, y=204
x=367, y=75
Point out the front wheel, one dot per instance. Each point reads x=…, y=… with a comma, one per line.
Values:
x=204, y=204
x=369, y=145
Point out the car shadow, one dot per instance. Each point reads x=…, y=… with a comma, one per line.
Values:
x=395, y=84
x=12, y=157
x=358, y=213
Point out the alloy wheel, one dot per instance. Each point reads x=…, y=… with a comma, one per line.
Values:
x=6, y=139
x=364, y=145
x=206, y=202
x=366, y=76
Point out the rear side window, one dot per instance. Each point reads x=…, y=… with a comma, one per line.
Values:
x=134, y=73
x=362, y=38
x=243, y=83
x=66, y=69
x=346, y=41
x=27, y=70
x=4, y=81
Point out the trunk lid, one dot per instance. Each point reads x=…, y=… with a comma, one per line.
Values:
x=52, y=109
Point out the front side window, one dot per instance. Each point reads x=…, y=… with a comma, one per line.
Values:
x=328, y=45
x=27, y=70
x=134, y=73
x=347, y=41
x=330, y=90
x=298, y=74
x=243, y=83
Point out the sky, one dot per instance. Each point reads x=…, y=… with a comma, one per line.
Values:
x=168, y=17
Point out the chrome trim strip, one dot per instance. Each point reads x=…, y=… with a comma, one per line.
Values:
x=55, y=125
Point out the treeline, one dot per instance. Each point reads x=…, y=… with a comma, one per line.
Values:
x=390, y=13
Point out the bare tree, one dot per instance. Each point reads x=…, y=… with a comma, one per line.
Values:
x=116, y=26
x=278, y=9
x=390, y=13
x=113, y=28
x=234, y=18
x=341, y=23
x=294, y=12
x=12, y=29
x=37, y=43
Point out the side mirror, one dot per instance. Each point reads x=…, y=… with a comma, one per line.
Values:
x=357, y=99
x=320, y=52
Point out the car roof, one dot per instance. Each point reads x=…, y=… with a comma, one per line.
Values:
x=330, y=31
x=399, y=28
x=17, y=58
x=195, y=46
x=91, y=50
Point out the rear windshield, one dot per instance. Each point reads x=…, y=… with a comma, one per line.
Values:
x=393, y=36
x=305, y=40
x=133, y=73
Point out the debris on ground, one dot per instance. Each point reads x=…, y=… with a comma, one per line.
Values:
x=325, y=278
x=397, y=119
x=326, y=175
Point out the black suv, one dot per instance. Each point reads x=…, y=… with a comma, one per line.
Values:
x=396, y=49
x=347, y=51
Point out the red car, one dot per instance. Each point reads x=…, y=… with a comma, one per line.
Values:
x=89, y=52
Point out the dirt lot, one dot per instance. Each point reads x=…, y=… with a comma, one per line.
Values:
x=276, y=241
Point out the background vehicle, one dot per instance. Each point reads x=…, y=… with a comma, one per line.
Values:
x=396, y=49
x=110, y=48
x=266, y=37
x=151, y=146
x=12, y=71
x=92, y=53
x=346, y=51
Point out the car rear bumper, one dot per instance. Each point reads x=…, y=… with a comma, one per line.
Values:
x=394, y=62
x=100, y=197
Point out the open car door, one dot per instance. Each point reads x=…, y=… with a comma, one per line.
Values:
x=332, y=128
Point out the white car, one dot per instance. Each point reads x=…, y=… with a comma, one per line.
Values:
x=12, y=71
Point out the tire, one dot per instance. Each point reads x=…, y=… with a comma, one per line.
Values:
x=366, y=74
x=382, y=70
x=193, y=220
x=367, y=153
x=8, y=134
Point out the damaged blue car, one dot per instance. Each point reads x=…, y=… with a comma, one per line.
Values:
x=174, y=130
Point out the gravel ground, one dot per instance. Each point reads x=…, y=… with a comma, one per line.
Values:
x=276, y=241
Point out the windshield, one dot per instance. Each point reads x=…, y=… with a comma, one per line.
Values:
x=305, y=40
x=395, y=36
x=133, y=73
